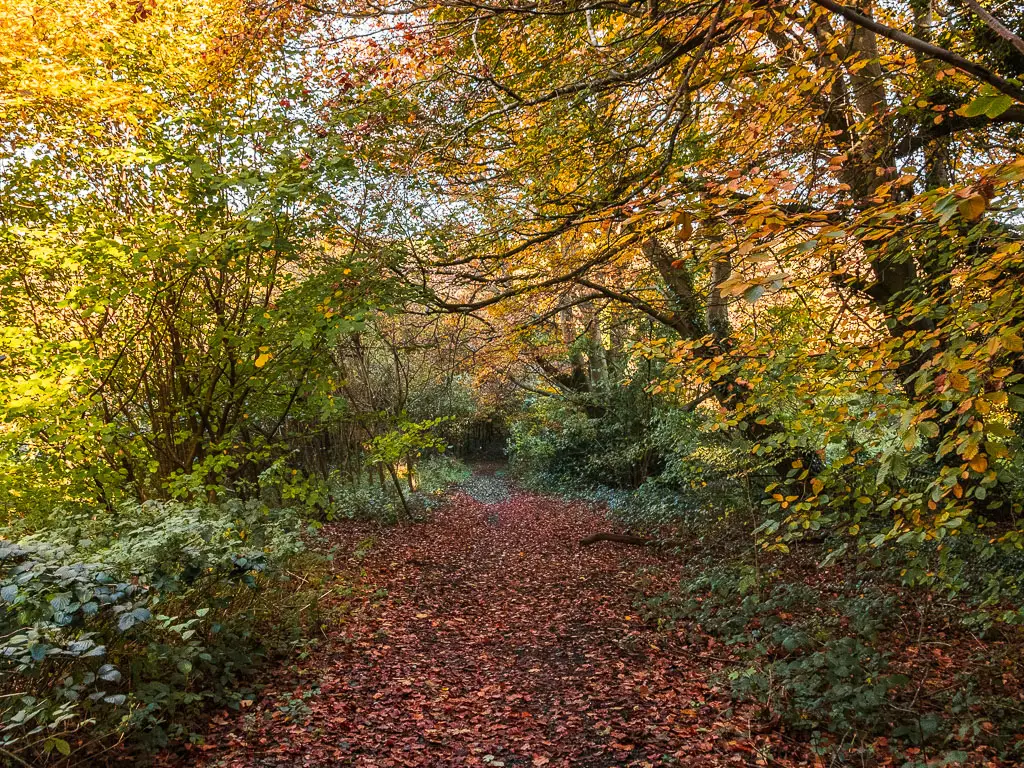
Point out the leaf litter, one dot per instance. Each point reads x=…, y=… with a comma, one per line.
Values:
x=488, y=637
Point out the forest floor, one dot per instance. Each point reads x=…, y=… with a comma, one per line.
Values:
x=488, y=637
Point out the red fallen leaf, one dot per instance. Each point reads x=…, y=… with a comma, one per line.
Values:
x=466, y=657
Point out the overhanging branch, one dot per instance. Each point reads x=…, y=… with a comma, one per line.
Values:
x=928, y=49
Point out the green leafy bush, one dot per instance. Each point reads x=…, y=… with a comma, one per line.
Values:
x=123, y=623
x=380, y=502
x=440, y=472
x=365, y=501
x=851, y=662
x=565, y=445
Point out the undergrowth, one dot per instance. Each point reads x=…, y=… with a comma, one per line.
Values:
x=380, y=500
x=856, y=665
x=864, y=653
x=121, y=625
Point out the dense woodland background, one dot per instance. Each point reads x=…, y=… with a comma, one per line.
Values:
x=750, y=273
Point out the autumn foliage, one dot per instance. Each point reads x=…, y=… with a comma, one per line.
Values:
x=747, y=275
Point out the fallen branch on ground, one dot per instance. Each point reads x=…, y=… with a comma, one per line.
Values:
x=624, y=538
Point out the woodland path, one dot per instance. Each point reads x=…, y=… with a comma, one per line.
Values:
x=499, y=642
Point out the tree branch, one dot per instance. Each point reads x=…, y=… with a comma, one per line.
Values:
x=995, y=25
x=954, y=124
x=928, y=49
x=669, y=320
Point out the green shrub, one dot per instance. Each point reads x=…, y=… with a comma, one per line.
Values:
x=122, y=624
x=363, y=501
x=584, y=443
x=836, y=662
x=440, y=472
x=372, y=501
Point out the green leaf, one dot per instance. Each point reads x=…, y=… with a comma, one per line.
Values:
x=900, y=468
x=753, y=293
x=998, y=105
x=989, y=106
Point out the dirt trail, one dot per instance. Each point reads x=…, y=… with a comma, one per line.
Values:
x=499, y=642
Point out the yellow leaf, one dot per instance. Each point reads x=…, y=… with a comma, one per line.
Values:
x=998, y=397
x=684, y=221
x=979, y=463
x=1012, y=342
x=972, y=208
x=263, y=359
x=959, y=382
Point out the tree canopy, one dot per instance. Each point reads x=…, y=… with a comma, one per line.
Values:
x=262, y=264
